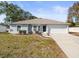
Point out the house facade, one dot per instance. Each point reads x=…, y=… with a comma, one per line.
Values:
x=38, y=26
x=3, y=28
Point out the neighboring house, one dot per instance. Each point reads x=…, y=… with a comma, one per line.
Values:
x=3, y=28
x=38, y=26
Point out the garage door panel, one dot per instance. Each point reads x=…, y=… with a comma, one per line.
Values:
x=58, y=29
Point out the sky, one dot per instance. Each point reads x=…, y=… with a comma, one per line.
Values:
x=56, y=10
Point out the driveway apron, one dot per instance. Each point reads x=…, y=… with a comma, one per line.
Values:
x=68, y=43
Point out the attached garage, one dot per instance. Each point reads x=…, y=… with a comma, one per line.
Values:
x=58, y=28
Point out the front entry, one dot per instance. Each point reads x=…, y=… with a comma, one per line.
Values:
x=30, y=29
x=44, y=28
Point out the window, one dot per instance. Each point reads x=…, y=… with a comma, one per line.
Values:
x=35, y=27
x=18, y=28
x=38, y=28
x=8, y=27
x=44, y=28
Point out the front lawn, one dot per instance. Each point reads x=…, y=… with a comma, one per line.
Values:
x=28, y=46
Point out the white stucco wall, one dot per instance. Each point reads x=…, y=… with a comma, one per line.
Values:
x=3, y=28
x=13, y=28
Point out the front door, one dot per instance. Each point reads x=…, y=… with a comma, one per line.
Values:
x=30, y=28
x=44, y=28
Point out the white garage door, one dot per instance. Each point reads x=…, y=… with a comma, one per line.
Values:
x=58, y=29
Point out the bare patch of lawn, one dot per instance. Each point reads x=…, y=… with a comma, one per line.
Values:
x=28, y=46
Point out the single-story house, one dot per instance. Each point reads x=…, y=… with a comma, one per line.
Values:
x=38, y=26
x=3, y=28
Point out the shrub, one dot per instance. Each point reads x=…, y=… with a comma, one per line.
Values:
x=72, y=24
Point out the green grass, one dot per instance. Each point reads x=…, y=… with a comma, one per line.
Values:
x=16, y=46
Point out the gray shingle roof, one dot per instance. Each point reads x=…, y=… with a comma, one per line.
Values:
x=39, y=21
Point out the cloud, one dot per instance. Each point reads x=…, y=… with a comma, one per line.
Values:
x=54, y=10
x=60, y=10
x=41, y=12
x=57, y=12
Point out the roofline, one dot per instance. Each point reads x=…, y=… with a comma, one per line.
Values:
x=41, y=24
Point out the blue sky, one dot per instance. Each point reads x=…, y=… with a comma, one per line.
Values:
x=56, y=10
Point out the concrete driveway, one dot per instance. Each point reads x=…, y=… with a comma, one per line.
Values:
x=68, y=43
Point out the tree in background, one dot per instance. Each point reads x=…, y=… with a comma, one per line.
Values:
x=13, y=12
x=69, y=15
x=73, y=12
